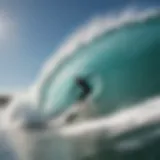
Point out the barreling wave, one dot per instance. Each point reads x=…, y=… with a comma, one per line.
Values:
x=121, y=53
x=93, y=36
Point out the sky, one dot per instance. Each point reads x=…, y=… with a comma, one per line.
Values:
x=31, y=30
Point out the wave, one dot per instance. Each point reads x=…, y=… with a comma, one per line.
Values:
x=88, y=44
x=129, y=130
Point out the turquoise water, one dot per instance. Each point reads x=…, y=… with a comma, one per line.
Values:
x=122, y=67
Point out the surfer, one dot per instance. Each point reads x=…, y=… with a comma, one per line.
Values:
x=86, y=89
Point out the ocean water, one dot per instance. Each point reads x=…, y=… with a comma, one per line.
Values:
x=119, y=57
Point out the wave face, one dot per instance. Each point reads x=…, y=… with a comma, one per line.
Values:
x=118, y=57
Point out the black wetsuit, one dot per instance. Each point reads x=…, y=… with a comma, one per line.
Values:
x=86, y=89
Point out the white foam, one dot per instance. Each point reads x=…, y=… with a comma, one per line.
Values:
x=136, y=116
